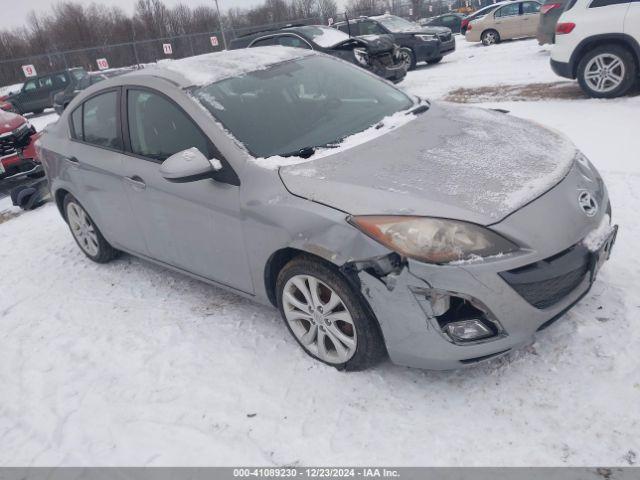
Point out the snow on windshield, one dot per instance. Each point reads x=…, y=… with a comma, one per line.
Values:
x=325, y=36
x=213, y=67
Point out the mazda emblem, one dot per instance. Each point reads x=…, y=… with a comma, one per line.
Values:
x=587, y=203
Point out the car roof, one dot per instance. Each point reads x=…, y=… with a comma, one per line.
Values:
x=209, y=68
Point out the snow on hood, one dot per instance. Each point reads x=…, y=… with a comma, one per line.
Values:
x=451, y=161
x=213, y=67
x=9, y=121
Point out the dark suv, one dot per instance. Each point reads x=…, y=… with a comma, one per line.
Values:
x=377, y=54
x=37, y=93
x=417, y=44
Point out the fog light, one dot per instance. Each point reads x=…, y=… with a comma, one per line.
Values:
x=468, y=330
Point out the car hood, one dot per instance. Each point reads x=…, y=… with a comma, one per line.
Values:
x=9, y=121
x=428, y=30
x=456, y=162
x=373, y=43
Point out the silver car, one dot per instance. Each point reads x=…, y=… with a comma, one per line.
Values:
x=376, y=222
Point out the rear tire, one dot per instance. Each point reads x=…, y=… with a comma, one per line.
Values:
x=490, y=37
x=433, y=61
x=607, y=71
x=86, y=233
x=334, y=325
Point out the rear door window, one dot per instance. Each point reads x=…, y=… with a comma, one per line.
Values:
x=369, y=27
x=100, y=120
x=509, y=11
x=264, y=42
x=530, y=7
x=292, y=41
x=45, y=82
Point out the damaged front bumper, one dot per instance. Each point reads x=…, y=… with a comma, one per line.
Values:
x=417, y=303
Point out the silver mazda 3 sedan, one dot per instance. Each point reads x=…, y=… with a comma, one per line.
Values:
x=376, y=222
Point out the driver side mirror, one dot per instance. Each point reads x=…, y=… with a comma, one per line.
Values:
x=189, y=166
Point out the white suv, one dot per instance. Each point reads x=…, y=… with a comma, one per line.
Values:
x=598, y=42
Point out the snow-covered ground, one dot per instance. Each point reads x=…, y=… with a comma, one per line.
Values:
x=129, y=364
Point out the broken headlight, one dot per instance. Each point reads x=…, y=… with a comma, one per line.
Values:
x=361, y=56
x=433, y=240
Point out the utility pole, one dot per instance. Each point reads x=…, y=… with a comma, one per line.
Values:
x=224, y=39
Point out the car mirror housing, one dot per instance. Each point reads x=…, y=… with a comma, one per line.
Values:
x=189, y=166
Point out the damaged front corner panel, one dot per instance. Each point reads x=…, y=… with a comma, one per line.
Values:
x=385, y=269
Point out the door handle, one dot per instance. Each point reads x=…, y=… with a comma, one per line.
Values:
x=136, y=182
x=73, y=161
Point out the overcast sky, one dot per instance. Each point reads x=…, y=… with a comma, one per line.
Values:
x=15, y=15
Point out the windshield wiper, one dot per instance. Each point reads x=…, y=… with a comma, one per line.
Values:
x=306, y=152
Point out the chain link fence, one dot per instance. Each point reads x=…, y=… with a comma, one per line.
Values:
x=142, y=52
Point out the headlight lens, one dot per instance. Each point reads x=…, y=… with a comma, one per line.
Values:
x=361, y=56
x=425, y=38
x=433, y=240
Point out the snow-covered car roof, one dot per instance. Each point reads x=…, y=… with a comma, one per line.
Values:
x=212, y=67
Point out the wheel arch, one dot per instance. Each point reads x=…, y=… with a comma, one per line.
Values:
x=588, y=44
x=59, y=196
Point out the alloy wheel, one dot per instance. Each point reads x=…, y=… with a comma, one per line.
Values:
x=82, y=229
x=490, y=38
x=319, y=319
x=605, y=72
x=405, y=56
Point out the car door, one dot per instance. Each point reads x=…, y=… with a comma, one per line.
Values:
x=530, y=19
x=632, y=21
x=28, y=95
x=195, y=226
x=95, y=164
x=507, y=21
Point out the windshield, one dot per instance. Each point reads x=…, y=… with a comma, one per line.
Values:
x=309, y=102
x=324, y=36
x=397, y=24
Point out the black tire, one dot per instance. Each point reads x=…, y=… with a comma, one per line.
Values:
x=105, y=252
x=370, y=348
x=490, y=37
x=629, y=77
x=410, y=55
x=433, y=61
x=38, y=111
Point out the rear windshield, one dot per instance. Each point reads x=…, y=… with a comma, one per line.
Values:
x=308, y=102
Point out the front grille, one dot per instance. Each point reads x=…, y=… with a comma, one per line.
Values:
x=546, y=283
x=11, y=142
x=444, y=37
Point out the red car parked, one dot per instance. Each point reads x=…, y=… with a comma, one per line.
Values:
x=17, y=150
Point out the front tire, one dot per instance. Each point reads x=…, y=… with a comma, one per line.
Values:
x=328, y=318
x=86, y=233
x=608, y=71
x=408, y=58
x=490, y=37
